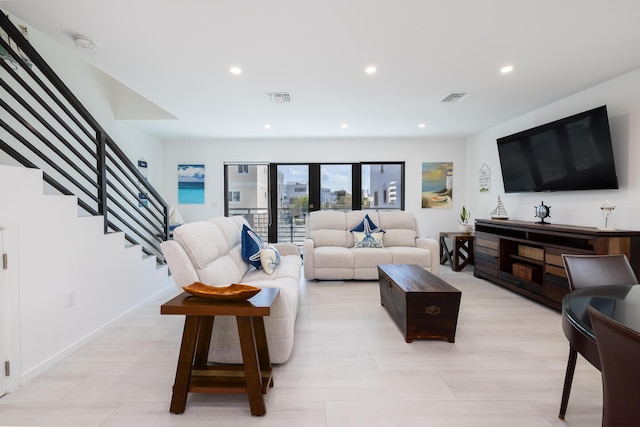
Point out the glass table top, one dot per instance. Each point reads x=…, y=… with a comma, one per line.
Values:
x=619, y=302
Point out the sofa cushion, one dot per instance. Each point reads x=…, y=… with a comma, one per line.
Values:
x=330, y=220
x=333, y=257
x=401, y=228
x=400, y=237
x=371, y=257
x=222, y=272
x=397, y=219
x=289, y=268
x=327, y=228
x=251, y=246
x=367, y=240
x=229, y=230
x=202, y=241
x=407, y=255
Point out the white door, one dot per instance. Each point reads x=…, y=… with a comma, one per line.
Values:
x=3, y=317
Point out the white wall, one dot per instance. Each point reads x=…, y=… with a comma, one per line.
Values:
x=622, y=98
x=214, y=153
x=53, y=251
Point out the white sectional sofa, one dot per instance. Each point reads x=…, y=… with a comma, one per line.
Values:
x=211, y=252
x=330, y=252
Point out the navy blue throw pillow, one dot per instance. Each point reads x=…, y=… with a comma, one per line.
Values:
x=367, y=226
x=251, y=246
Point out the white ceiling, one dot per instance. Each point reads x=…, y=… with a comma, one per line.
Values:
x=177, y=54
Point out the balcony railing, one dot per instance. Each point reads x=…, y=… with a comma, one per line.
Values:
x=291, y=227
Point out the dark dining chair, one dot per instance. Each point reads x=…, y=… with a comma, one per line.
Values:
x=584, y=271
x=619, y=350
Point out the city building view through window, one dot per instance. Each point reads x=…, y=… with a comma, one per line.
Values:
x=277, y=204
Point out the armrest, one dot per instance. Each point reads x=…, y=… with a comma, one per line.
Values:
x=434, y=247
x=307, y=265
x=286, y=249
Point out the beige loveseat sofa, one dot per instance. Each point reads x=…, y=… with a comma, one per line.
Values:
x=211, y=252
x=330, y=253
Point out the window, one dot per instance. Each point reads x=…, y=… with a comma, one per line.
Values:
x=336, y=183
x=247, y=188
x=234, y=196
x=382, y=179
x=277, y=198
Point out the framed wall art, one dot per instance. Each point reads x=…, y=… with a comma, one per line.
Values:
x=437, y=185
x=191, y=184
x=485, y=179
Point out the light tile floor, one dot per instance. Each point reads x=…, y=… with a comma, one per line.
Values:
x=350, y=367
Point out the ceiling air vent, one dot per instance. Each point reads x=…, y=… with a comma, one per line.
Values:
x=280, y=97
x=456, y=97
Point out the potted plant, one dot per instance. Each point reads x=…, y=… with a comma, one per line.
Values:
x=465, y=217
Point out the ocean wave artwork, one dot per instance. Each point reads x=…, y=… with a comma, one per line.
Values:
x=191, y=184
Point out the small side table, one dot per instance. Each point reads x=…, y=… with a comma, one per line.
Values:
x=461, y=254
x=252, y=377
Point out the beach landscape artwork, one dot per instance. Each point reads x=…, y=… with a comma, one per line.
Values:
x=191, y=184
x=437, y=184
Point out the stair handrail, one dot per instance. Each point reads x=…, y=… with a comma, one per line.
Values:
x=48, y=128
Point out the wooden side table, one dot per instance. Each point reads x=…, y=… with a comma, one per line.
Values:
x=461, y=254
x=252, y=377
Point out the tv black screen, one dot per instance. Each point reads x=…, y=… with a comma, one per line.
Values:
x=573, y=153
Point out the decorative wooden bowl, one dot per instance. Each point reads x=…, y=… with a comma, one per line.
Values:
x=234, y=292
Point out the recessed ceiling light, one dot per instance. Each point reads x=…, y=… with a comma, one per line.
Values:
x=422, y=125
x=371, y=69
x=506, y=69
x=344, y=126
x=235, y=70
x=267, y=126
x=83, y=42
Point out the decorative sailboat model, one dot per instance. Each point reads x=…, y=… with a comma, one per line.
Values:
x=175, y=218
x=499, y=212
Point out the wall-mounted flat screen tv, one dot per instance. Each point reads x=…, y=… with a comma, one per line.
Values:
x=573, y=153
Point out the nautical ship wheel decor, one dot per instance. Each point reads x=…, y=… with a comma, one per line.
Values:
x=542, y=211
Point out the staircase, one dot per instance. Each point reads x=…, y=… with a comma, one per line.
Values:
x=68, y=279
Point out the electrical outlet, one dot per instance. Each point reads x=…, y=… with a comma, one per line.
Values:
x=70, y=298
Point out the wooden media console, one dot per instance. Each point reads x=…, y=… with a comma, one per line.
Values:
x=526, y=256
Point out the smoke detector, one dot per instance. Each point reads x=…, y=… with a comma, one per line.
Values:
x=83, y=42
x=456, y=97
x=280, y=97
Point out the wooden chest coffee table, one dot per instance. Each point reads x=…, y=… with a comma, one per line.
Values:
x=421, y=304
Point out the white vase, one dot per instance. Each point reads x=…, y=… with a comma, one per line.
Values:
x=465, y=228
